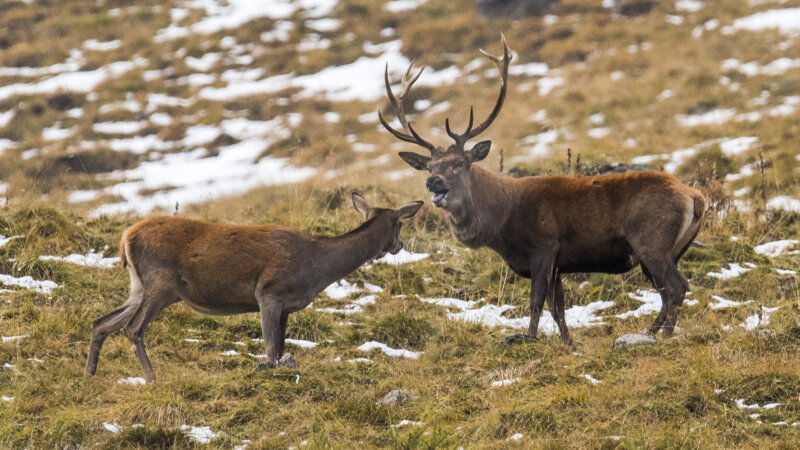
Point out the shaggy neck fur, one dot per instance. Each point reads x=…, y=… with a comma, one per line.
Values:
x=485, y=208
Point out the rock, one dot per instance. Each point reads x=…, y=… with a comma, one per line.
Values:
x=396, y=398
x=514, y=8
x=515, y=339
x=288, y=361
x=630, y=340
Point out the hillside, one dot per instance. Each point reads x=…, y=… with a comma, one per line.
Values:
x=265, y=111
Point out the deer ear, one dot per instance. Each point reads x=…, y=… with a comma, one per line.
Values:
x=479, y=151
x=408, y=210
x=415, y=160
x=361, y=205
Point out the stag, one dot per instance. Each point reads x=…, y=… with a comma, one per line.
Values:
x=231, y=269
x=545, y=226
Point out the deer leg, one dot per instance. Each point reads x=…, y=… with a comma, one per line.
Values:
x=282, y=337
x=152, y=303
x=678, y=286
x=671, y=286
x=103, y=327
x=271, y=314
x=557, y=310
x=541, y=266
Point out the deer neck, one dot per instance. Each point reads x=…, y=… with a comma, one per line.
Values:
x=338, y=256
x=485, y=209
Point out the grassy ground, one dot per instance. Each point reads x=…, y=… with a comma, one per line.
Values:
x=680, y=392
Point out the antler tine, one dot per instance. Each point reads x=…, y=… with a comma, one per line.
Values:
x=397, y=104
x=502, y=66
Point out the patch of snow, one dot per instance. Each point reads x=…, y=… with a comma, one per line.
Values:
x=7, y=399
x=324, y=25
x=94, y=44
x=759, y=319
x=14, y=338
x=8, y=366
x=193, y=177
x=402, y=257
x=734, y=146
x=202, y=435
x=689, y=5
x=360, y=80
x=133, y=381
x=365, y=300
x=741, y=404
x=406, y=422
x=367, y=346
x=723, y=303
x=55, y=133
x=538, y=145
x=674, y=19
x=192, y=340
x=785, y=272
x=341, y=289
x=715, y=117
x=129, y=127
x=775, y=248
x=301, y=343
x=72, y=81
x=5, y=118
x=578, y=316
x=27, y=282
x=598, y=133
x=591, y=379
x=396, y=6
x=359, y=360
x=651, y=303
x=534, y=69
x=229, y=353
x=5, y=240
x=112, y=427
x=450, y=302
x=90, y=259
x=204, y=63
x=752, y=68
x=733, y=271
x=786, y=21
x=501, y=383
x=547, y=84
x=784, y=203
x=514, y=437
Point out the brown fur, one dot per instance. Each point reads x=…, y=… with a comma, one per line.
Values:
x=233, y=269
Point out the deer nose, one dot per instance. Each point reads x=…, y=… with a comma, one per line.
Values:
x=434, y=183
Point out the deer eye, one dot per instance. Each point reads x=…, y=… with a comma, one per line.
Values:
x=458, y=164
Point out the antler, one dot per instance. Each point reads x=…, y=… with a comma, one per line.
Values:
x=410, y=134
x=502, y=65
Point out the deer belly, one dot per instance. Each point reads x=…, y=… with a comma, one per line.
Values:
x=221, y=300
x=614, y=256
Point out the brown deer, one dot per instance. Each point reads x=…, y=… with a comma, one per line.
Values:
x=232, y=269
x=543, y=226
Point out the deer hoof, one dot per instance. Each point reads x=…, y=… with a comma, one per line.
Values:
x=515, y=339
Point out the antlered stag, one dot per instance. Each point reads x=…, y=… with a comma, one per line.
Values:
x=231, y=269
x=543, y=226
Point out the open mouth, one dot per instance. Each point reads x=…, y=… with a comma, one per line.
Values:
x=440, y=198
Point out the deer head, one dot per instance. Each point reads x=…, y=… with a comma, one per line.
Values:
x=449, y=167
x=394, y=216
